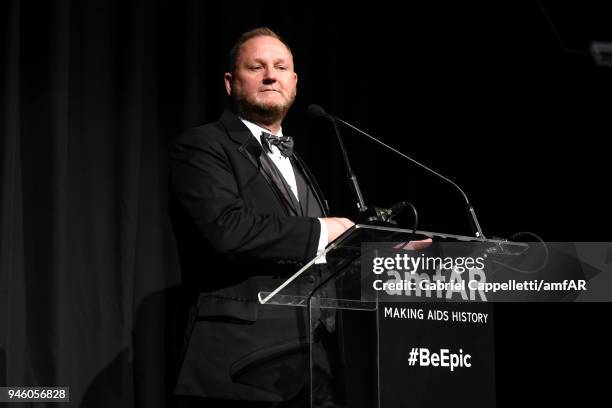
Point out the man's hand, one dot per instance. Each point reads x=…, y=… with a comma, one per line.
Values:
x=414, y=245
x=336, y=226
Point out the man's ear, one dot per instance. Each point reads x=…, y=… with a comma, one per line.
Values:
x=227, y=78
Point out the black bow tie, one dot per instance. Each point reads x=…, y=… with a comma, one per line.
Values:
x=284, y=143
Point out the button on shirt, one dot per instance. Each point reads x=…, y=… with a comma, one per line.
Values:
x=286, y=169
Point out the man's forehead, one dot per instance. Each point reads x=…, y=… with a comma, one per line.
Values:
x=264, y=45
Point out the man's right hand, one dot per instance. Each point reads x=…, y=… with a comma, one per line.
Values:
x=336, y=227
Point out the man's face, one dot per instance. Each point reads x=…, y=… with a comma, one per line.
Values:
x=263, y=85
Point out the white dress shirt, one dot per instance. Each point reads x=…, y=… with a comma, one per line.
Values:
x=286, y=169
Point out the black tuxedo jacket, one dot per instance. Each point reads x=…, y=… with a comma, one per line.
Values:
x=237, y=230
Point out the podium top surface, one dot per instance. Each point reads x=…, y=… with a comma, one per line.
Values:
x=347, y=248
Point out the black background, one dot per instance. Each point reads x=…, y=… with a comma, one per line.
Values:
x=93, y=92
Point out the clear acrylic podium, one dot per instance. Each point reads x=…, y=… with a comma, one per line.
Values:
x=344, y=318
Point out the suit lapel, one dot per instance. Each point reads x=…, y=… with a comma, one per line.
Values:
x=311, y=181
x=283, y=187
x=253, y=152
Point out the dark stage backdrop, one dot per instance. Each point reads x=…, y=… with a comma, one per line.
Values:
x=92, y=93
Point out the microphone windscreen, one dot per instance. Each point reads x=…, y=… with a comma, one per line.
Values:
x=316, y=110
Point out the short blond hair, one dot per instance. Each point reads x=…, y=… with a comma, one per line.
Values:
x=256, y=32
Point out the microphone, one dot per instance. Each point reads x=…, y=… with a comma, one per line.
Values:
x=317, y=110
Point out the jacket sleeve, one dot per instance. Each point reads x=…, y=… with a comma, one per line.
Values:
x=203, y=182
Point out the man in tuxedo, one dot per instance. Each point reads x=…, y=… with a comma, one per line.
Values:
x=246, y=213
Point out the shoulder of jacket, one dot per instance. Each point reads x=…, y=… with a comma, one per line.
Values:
x=203, y=136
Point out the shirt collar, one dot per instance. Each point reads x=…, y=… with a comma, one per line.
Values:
x=256, y=130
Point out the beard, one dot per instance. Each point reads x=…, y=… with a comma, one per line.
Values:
x=260, y=112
